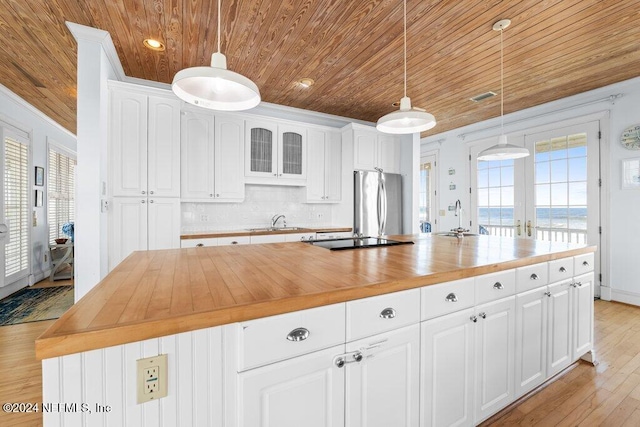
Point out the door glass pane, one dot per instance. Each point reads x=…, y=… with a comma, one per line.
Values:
x=16, y=205
x=561, y=207
x=425, y=197
x=261, y=150
x=292, y=153
x=496, y=198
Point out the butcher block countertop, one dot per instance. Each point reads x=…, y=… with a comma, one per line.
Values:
x=164, y=292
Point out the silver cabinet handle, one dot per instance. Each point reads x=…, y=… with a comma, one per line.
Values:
x=150, y=192
x=199, y=245
x=388, y=313
x=498, y=286
x=144, y=192
x=298, y=334
x=574, y=285
x=210, y=194
x=150, y=201
x=217, y=195
x=143, y=201
x=451, y=298
x=534, y=276
x=340, y=362
x=579, y=284
x=585, y=263
x=357, y=357
x=234, y=242
x=275, y=174
x=563, y=270
x=483, y=315
x=474, y=319
x=548, y=294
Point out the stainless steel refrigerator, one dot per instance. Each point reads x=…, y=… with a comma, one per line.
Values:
x=377, y=203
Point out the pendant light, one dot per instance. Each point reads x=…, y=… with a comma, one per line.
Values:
x=502, y=150
x=215, y=87
x=406, y=119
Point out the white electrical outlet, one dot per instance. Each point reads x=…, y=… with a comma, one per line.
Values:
x=152, y=378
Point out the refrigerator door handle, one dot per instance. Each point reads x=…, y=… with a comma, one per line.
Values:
x=379, y=206
x=383, y=197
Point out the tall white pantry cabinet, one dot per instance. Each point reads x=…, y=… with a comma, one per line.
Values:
x=144, y=172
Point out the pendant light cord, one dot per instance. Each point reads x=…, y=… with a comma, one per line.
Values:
x=501, y=83
x=218, y=26
x=405, y=48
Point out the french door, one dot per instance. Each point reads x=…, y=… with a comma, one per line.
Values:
x=551, y=195
x=14, y=206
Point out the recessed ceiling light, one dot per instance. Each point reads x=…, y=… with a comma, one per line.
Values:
x=306, y=82
x=153, y=44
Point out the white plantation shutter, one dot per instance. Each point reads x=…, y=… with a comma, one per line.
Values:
x=61, y=185
x=16, y=206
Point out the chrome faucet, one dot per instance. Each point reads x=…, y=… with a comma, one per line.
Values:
x=275, y=219
x=459, y=231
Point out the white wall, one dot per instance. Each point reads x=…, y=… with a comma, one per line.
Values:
x=18, y=113
x=620, y=208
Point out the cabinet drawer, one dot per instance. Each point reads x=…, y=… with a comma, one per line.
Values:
x=490, y=287
x=235, y=240
x=531, y=277
x=583, y=263
x=195, y=243
x=270, y=339
x=560, y=269
x=370, y=316
x=447, y=297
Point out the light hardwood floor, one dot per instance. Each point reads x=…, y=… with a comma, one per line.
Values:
x=607, y=395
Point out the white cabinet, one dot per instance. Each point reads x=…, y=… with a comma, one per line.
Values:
x=583, y=315
x=267, y=238
x=212, y=157
x=447, y=370
x=324, y=166
x=305, y=391
x=560, y=342
x=140, y=223
x=144, y=145
x=277, y=152
x=299, y=237
x=383, y=387
x=494, y=356
x=372, y=150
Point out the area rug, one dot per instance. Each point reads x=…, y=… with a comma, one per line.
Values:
x=35, y=304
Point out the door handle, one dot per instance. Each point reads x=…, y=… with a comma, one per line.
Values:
x=519, y=228
x=529, y=228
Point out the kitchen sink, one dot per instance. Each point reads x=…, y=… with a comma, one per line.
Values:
x=278, y=229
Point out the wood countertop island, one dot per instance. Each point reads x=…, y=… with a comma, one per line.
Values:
x=158, y=293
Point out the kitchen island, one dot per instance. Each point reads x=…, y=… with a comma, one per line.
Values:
x=196, y=304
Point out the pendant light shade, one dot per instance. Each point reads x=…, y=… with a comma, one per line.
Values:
x=406, y=119
x=502, y=150
x=215, y=87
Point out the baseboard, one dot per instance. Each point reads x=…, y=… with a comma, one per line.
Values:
x=625, y=297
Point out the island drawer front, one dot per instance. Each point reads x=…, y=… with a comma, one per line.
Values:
x=490, y=287
x=531, y=277
x=194, y=243
x=235, y=240
x=560, y=269
x=583, y=263
x=445, y=298
x=275, y=338
x=370, y=316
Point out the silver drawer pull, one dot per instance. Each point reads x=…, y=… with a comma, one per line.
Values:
x=579, y=283
x=585, y=263
x=234, y=242
x=388, y=313
x=298, y=334
x=199, y=245
x=548, y=294
x=358, y=357
x=474, y=319
x=534, y=276
x=483, y=315
x=340, y=362
x=498, y=286
x=451, y=298
x=563, y=270
x=574, y=285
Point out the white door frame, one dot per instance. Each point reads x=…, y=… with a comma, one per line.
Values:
x=435, y=154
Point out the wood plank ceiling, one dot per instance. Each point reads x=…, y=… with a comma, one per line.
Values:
x=352, y=49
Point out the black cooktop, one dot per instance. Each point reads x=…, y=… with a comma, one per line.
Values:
x=357, y=243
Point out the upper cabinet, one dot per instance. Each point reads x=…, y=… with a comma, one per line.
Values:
x=212, y=156
x=372, y=149
x=144, y=144
x=275, y=153
x=324, y=166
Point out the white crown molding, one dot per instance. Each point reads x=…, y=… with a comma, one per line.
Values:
x=95, y=35
x=17, y=99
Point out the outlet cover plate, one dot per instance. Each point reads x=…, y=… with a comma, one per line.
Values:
x=160, y=388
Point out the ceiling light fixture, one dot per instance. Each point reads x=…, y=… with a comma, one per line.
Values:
x=502, y=150
x=306, y=82
x=153, y=44
x=406, y=119
x=215, y=87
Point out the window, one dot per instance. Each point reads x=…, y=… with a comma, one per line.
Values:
x=495, y=185
x=16, y=206
x=61, y=185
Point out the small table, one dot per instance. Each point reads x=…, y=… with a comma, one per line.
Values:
x=61, y=255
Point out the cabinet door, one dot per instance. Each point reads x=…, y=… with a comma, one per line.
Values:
x=229, y=158
x=447, y=370
x=531, y=340
x=163, y=145
x=560, y=342
x=388, y=153
x=316, y=165
x=302, y=391
x=383, y=388
x=333, y=167
x=127, y=228
x=164, y=223
x=197, y=147
x=128, y=143
x=495, y=348
x=583, y=315
x=261, y=149
x=292, y=152
x=365, y=146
